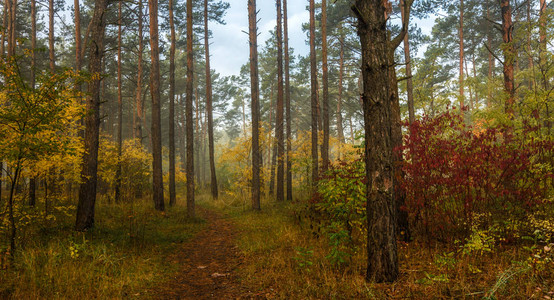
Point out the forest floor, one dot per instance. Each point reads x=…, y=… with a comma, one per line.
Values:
x=208, y=263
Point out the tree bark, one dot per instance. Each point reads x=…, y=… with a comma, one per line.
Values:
x=77, y=36
x=171, y=124
x=138, y=98
x=209, y=109
x=279, y=119
x=51, y=35
x=461, y=65
x=89, y=174
x=189, y=123
x=119, y=110
x=509, y=56
x=255, y=103
x=33, y=181
x=6, y=13
x=325, y=92
x=313, y=97
x=156, y=134
x=409, y=81
x=287, y=102
x=340, y=129
x=378, y=99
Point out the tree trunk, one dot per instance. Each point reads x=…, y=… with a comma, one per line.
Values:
x=5, y=17
x=172, y=195
x=138, y=97
x=378, y=99
x=33, y=181
x=119, y=111
x=12, y=8
x=51, y=35
x=287, y=102
x=77, y=36
x=409, y=81
x=325, y=92
x=209, y=109
x=313, y=97
x=156, y=134
x=89, y=175
x=509, y=55
x=461, y=65
x=189, y=124
x=542, y=26
x=491, y=61
x=340, y=130
x=279, y=119
x=255, y=104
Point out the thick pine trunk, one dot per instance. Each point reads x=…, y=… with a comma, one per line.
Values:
x=89, y=174
x=255, y=103
x=279, y=119
x=287, y=102
x=378, y=100
x=171, y=108
x=188, y=108
x=313, y=97
x=325, y=91
x=156, y=134
x=209, y=109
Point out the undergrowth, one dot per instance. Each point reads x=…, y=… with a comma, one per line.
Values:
x=123, y=256
x=286, y=259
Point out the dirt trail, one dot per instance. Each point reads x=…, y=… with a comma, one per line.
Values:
x=208, y=263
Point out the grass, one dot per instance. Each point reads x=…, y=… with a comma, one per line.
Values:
x=125, y=255
x=285, y=259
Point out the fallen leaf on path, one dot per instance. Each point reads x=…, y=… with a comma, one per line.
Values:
x=201, y=267
x=219, y=274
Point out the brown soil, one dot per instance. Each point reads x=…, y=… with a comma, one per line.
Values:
x=209, y=262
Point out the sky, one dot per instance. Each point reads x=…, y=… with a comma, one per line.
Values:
x=229, y=48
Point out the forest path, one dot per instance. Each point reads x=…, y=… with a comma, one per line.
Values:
x=208, y=263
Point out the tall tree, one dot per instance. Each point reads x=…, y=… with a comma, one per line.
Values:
x=156, y=131
x=509, y=56
x=313, y=97
x=408, y=62
x=377, y=71
x=119, y=107
x=325, y=83
x=209, y=109
x=51, y=35
x=32, y=181
x=188, y=108
x=287, y=101
x=255, y=95
x=279, y=119
x=340, y=130
x=461, y=41
x=138, y=97
x=171, y=108
x=77, y=13
x=89, y=174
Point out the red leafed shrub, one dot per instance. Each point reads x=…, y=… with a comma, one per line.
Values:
x=455, y=173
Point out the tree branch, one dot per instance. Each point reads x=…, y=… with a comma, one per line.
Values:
x=400, y=37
